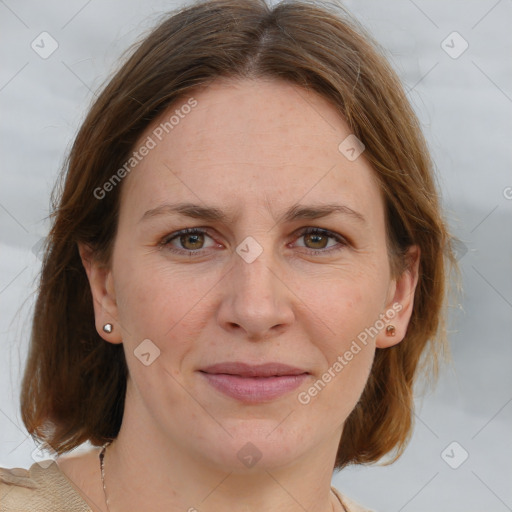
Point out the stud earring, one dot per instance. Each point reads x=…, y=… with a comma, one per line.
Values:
x=107, y=328
x=390, y=330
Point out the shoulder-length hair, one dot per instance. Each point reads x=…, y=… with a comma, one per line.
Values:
x=74, y=385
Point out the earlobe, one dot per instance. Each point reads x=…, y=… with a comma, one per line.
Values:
x=399, y=309
x=103, y=296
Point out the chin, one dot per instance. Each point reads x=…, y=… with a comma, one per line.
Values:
x=257, y=445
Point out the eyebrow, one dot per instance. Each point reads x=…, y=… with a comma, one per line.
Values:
x=212, y=214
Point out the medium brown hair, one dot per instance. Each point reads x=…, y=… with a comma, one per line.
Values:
x=74, y=384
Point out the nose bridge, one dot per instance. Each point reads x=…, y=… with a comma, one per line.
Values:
x=252, y=267
x=257, y=299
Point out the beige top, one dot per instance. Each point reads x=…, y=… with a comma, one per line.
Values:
x=45, y=488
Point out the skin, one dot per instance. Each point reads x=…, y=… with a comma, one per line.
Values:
x=252, y=148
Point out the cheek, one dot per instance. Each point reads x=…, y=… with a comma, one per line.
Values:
x=157, y=300
x=339, y=383
x=348, y=309
x=346, y=305
x=155, y=310
x=169, y=308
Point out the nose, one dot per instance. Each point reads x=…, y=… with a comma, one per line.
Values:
x=257, y=300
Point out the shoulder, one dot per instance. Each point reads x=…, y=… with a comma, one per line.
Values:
x=349, y=504
x=41, y=487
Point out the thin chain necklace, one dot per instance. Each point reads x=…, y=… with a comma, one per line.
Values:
x=102, y=467
x=102, y=456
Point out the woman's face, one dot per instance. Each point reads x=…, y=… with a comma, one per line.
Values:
x=250, y=287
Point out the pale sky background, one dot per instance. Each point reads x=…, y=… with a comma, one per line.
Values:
x=465, y=106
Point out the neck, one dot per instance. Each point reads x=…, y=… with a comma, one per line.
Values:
x=147, y=470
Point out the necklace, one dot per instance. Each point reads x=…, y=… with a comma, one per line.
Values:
x=102, y=468
x=102, y=456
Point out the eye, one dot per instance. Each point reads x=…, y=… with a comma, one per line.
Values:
x=191, y=241
x=318, y=239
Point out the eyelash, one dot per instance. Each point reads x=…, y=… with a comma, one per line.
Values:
x=165, y=243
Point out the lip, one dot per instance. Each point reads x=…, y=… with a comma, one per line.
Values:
x=253, y=370
x=254, y=383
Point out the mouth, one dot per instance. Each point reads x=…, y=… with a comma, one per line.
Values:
x=253, y=370
x=254, y=383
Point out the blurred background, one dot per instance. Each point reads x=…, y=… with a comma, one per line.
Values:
x=454, y=58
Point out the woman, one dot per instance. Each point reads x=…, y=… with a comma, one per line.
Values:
x=247, y=261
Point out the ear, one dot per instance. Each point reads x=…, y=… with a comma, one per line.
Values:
x=103, y=295
x=400, y=301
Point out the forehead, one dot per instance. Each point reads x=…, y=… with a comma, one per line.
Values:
x=249, y=142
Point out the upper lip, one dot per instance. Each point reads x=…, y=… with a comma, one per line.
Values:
x=253, y=370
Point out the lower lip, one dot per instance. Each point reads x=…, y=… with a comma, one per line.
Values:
x=254, y=389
